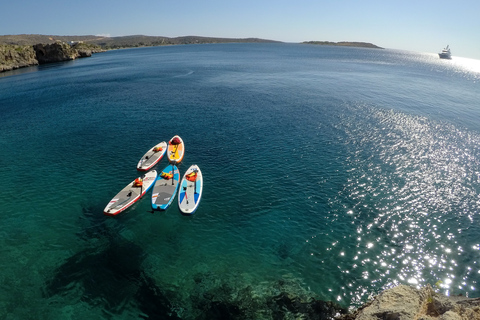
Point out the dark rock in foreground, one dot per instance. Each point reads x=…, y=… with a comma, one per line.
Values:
x=407, y=303
x=55, y=52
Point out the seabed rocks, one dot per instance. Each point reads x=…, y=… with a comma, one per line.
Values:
x=214, y=297
x=204, y=293
x=208, y=295
x=283, y=299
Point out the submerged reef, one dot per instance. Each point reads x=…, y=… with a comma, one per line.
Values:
x=229, y=297
x=113, y=279
x=116, y=277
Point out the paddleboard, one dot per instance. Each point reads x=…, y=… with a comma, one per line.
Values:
x=165, y=188
x=152, y=157
x=190, y=190
x=176, y=150
x=130, y=194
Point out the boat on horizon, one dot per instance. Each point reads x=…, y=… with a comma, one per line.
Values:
x=445, y=54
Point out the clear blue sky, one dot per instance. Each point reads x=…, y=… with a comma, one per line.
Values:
x=414, y=25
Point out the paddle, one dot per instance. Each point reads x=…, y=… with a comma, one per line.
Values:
x=185, y=189
x=195, y=190
x=173, y=171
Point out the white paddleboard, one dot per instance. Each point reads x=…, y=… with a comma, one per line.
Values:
x=152, y=157
x=130, y=194
x=190, y=190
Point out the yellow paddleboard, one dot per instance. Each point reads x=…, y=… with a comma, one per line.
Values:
x=176, y=150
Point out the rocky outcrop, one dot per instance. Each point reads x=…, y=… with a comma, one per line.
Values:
x=60, y=51
x=407, y=303
x=54, y=52
x=14, y=57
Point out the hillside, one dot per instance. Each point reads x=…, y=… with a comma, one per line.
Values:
x=107, y=43
x=18, y=51
x=119, y=42
x=345, y=44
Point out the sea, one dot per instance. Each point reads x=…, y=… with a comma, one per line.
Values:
x=330, y=174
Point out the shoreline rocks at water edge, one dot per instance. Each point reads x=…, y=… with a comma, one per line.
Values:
x=19, y=56
x=408, y=303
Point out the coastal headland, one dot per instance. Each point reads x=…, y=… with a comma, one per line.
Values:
x=18, y=51
x=345, y=44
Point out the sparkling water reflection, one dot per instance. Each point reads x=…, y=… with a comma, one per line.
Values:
x=411, y=187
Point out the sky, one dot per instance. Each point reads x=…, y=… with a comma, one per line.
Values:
x=412, y=25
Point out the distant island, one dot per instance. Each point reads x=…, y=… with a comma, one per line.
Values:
x=345, y=44
x=18, y=51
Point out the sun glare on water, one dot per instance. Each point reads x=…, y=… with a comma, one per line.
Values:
x=467, y=64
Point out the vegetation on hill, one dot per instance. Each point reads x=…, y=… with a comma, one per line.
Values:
x=345, y=44
x=107, y=43
x=147, y=41
x=17, y=51
x=15, y=56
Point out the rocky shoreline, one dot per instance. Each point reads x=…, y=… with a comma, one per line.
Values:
x=19, y=56
x=408, y=303
x=18, y=51
x=285, y=300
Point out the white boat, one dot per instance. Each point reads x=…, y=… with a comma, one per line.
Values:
x=445, y=54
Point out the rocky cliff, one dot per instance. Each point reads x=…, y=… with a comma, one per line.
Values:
x=16, y=56
x=54, y=52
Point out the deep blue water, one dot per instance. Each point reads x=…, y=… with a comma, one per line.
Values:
x=336, y=172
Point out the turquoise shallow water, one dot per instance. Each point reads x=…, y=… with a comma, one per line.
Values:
x=337, y=171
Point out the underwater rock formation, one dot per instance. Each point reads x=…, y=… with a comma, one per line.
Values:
x=228, y=296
